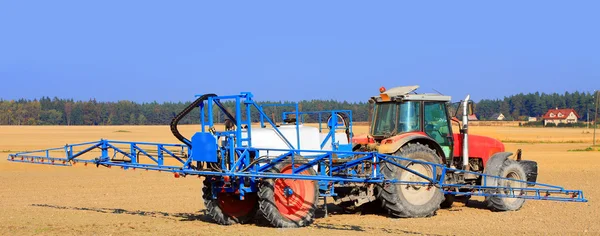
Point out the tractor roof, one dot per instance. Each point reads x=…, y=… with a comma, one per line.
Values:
x=407, y=93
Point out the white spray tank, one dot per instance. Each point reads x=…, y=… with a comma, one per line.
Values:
x=310, y=139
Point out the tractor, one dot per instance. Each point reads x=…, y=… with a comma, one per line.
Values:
x=419, y=127
x=410, y=164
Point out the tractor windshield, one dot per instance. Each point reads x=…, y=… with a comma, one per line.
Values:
x=392, y=118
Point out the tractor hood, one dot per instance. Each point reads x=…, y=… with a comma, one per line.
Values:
x=479, y=146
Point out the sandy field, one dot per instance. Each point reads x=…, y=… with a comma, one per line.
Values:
x=48, y=200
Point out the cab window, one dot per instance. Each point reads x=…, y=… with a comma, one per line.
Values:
x=410, y=117
x=394, y=118
x=436, y=124
x=385, y=118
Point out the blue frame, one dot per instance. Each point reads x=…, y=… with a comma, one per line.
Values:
x=243, y=169
x=246, y=165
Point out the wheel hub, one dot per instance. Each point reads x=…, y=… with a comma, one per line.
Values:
x=417, y=194
x=287, y=191
x=512, y=184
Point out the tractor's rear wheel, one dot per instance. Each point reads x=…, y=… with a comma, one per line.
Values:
x=411, y=200
x=508, y=169
x=227, y=208
x=288, y=203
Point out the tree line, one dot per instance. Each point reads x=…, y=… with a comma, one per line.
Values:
x=521, y=106
x=57, y=111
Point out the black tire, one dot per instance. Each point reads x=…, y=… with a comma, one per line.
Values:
x=448, y=201
x=506, y=169
x=304, y=199
x=227, y=209
x=373, y=207
x=404, y=204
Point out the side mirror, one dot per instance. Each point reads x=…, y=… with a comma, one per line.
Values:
x=471, y=108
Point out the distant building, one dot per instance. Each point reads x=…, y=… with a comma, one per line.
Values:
x=558, y=116
x=532, y=119
x=497, y=116
x=472, y=117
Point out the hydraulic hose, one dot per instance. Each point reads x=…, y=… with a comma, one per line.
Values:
x=187, y=110
x=346, y=120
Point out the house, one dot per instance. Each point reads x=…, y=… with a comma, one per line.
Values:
x=558, y=116
x=472, y=117
x=532, y=119
x=497, y=116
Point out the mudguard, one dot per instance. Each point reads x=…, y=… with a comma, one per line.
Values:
x=492, y=167
x=531, y=170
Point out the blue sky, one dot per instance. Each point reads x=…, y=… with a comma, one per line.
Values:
x=283, y=50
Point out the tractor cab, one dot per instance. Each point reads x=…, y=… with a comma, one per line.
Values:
x=399, y=111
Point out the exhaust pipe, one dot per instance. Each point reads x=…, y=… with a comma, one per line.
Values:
x=466, y=133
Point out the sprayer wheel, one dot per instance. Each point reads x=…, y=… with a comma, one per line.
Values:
x=227, y=208
x=448, y=201
x=288, y=203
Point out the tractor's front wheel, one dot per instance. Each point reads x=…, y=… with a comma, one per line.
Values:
x=411, y=200
x=227, y=208
x=507, y=169
x=288, y=203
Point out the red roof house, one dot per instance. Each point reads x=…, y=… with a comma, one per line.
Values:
x=557, y=116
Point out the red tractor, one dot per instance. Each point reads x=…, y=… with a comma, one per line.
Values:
x=419, y=126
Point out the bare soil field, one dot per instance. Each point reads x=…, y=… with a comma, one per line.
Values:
x=47, y=200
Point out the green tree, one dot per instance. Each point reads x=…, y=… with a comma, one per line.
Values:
x=51, y=117
x=68, y=111
x=132, y=120
x=46, y=111
x=141, y=120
